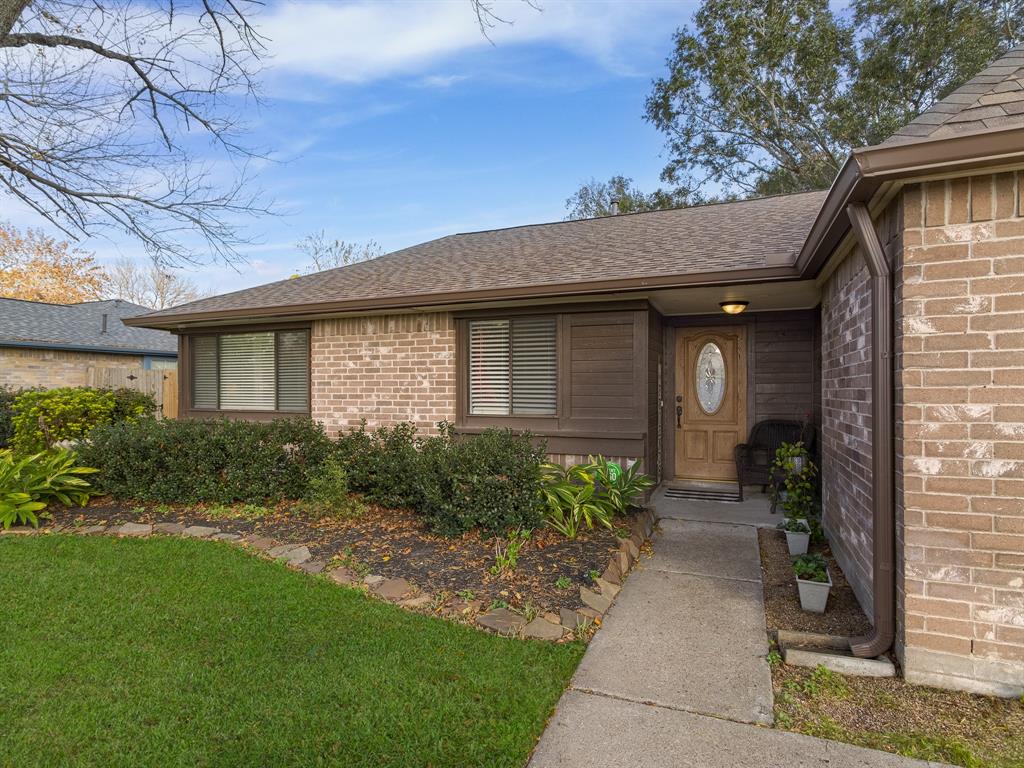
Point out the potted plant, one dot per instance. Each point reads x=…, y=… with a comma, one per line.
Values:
x=798, y=534
x=813, y=582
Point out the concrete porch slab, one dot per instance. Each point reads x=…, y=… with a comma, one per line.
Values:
x=707, y=549
x=686, y=642
x=590, y=730
x=755, y=509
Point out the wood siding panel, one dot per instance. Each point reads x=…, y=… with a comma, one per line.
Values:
x=784, y=375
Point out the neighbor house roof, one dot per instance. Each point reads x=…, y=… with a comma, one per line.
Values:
x=994, y=98
x=81, y=326
x=627, y=251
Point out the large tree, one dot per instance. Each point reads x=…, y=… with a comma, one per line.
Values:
x=596, y=198
x=328, y=253
x=36, y=267
x=114, y=112
x=770, y=97
x=124, y=115
x=150, y=285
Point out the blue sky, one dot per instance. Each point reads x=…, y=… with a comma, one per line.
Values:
x=399, y=122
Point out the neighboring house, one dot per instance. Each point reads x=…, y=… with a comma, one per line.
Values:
x=888, y=310
x=54, y=345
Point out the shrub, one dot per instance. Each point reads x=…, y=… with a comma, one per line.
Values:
x=42, y=418
x=30, y=483
x=219, y=461
x=491, y=481
x=130, y=405
x=328, y=493
x=384, y=465
x=572, y=500
x=7, y=397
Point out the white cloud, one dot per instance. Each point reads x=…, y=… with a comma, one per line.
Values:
x=359, y=42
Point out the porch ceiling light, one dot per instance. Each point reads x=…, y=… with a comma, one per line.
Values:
x=733, y=307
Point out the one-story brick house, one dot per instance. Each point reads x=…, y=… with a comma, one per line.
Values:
x=888, y=310
x=55, y=345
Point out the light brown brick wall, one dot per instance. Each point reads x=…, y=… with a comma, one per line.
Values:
x=385, y=370
x=22, y=368
x=960, y=394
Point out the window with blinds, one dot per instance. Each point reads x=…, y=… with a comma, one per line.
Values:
x=262, y=371
x=513, y=367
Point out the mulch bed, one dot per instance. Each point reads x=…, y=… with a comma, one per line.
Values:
x=843, y=614
x=397, y=544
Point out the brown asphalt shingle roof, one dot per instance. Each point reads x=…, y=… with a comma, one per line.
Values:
x=712, y=238
x=994, y=98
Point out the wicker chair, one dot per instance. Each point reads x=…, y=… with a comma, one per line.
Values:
x=754, y=458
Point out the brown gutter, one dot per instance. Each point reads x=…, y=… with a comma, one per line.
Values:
x=883, y=514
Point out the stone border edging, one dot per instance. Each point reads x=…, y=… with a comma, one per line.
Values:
x=547, y=626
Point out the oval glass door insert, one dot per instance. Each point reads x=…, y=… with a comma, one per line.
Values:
x=710, y=375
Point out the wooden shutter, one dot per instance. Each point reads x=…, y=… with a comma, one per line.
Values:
x=489, y=375
x=534, y=367
x=203, y=350
x=292, y=370
x=247, y=381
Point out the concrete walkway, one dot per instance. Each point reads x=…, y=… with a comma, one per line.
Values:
x=677, y=675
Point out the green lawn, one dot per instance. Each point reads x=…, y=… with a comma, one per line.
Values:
x=172, y=652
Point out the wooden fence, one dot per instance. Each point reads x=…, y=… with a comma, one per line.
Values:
x=162, y=385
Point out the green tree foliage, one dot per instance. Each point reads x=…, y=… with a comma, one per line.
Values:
x=764, y=98
x=594, y=198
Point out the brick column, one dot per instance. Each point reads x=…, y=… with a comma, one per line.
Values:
x=960, y=452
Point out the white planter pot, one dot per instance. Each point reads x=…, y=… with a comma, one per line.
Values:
x=797, y=541
x=814, y=594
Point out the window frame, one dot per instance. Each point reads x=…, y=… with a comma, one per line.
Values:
x=186, y=381
x=530, y=422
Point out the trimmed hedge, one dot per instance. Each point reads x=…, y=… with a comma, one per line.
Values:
x=219, y=461
x=491, y=481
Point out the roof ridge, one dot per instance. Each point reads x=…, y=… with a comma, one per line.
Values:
x=674, y=208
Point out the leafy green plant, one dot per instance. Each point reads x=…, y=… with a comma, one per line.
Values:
x=618, y=486
x=794, y=525
x=30, y=483
x=572, y=500
x=563, y=582
x=593, y=575
x=466, y=594
x=496, y=604
x=7, y=398
x=328, y=494
x=43, y=418
x=801, y=489
x=506, y=551
x=810, y=567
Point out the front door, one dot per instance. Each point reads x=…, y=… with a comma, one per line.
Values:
x=711, y=401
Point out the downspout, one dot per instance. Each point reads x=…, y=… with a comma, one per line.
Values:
x=883, y=584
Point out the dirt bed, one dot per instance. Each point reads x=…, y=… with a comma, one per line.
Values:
x=843, y=614
x=397, y=544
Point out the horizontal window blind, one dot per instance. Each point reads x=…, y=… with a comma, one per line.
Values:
x=247, y=371
x=513, y=367
x=534, y=367
x=292, y=371
x=489, y=375
x=204, y=371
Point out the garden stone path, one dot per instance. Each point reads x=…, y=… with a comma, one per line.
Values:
x=678, y=674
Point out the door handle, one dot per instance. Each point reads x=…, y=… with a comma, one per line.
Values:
x=679, y=416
